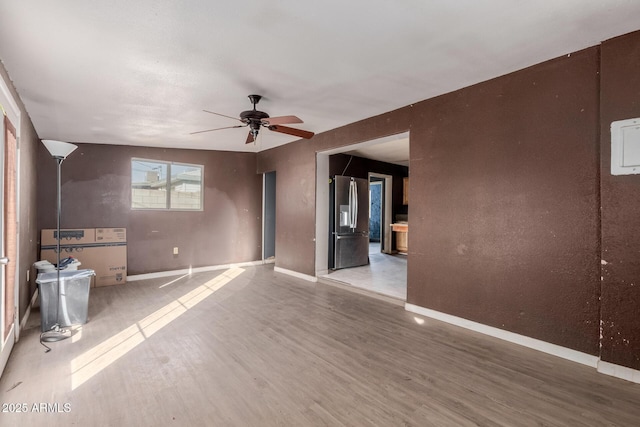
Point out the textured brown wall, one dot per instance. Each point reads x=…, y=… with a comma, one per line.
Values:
x=504, y=200
x=295, y=204
x=27, y=227
x=620, y=99
x=504, y=203
x=96, y=193
x=295, y=165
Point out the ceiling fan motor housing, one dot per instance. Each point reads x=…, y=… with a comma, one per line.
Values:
x=253, y=115
x=254, y=119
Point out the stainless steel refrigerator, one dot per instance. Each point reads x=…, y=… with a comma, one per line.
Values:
x=349, y=222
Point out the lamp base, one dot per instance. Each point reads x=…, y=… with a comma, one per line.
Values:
x=54, y=335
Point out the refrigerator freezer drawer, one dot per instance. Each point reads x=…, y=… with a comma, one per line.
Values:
x=351, y=250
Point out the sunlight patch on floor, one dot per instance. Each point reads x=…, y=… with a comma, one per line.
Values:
x=175, y=280
x=93, y=361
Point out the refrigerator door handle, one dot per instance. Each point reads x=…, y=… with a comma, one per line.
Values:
x=354, y=222
x=351, y=203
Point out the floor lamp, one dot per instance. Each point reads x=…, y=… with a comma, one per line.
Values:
x=59, y=150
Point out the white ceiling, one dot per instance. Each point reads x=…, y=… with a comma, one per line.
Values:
x=141, y=72
x=395, y=151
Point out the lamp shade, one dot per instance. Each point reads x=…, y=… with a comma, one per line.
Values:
x=59, y=149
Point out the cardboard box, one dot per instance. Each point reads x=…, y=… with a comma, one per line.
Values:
x=108, y=261
x=111, y=235
x=103, y=250
x=68, y=236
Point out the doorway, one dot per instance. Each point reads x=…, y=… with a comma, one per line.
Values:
x=269, y=217
x=9, y=125
x=386, y=273
x=375, y=215
x=386, y=209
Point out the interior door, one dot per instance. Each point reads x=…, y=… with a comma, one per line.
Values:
x=8, y=240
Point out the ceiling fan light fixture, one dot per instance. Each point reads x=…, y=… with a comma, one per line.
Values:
x=255, y=119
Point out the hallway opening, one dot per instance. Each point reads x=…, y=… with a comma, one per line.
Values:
x=384, y=163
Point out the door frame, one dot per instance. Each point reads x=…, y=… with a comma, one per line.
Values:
x=268, y=218
x=9, y=107
x=386, y=246
x=322, y=197
x=380, y=213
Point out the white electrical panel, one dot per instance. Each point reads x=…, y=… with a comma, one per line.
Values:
x=625, y=147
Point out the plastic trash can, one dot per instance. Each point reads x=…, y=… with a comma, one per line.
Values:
x=73, y=304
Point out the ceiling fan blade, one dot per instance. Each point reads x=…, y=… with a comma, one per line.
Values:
x=218, y=114
x=282, y=120
x=291, y=131
x=211, y=130
x=250, y=138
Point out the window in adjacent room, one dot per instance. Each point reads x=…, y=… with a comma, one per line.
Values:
x=166, y=185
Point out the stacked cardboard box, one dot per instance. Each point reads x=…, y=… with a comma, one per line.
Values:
x=103, y=250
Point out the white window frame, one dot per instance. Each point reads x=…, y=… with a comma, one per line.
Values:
x=167, y=179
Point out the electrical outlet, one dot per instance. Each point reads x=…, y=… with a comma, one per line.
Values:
x=175, y=250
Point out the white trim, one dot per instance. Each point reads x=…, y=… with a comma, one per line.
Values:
x=27, y=312
x=18, y=226
x=543, y=346
x=619, y=371
x=4, y=356
x=192, y=270
x=360, y=291
x=295, y=274
x=386, y=245
x=11, y=108
x=322, y=237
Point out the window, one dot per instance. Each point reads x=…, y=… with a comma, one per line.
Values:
x=166, y=185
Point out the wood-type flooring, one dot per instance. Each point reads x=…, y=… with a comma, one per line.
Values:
x=252, y=347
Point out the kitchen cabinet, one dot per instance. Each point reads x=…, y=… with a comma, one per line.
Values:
x=401, y=230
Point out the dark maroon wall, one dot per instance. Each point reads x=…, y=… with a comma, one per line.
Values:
x=504, y=203
x=96, y=193
x=620, y=99
x=504, y=200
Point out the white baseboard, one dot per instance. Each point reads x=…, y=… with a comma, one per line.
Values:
x=27, y=313
x=619, y=371
x=295, y=274
x=161, y=274
x=535, y=344
x=361, y=291
x=543, y=346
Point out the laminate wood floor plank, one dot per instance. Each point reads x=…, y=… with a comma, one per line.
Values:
x=270, y=350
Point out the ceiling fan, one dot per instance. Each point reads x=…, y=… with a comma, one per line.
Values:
x=255, y=119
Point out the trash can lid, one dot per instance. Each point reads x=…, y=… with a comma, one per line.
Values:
x=64, y=274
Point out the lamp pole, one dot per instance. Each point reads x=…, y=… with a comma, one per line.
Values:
x=59, y=151
x=59, y=195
